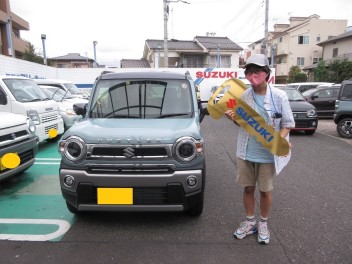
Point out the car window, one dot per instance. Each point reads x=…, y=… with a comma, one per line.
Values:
x=142, y=99
x=347, y=92
x=324, y=93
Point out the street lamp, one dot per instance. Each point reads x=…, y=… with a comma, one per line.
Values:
x=95, y=53
x=159, y=47
x=44, y=51
x=166, y=16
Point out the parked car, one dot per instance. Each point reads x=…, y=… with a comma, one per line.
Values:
x=20, y=95
x=65, y=101
x=323, y=98
x=64, y=85
x=343, y=110
x=302, y=87
x=138, y=148
x=17, y=137
x=304, y=113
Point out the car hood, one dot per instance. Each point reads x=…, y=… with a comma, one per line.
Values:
x=134, y=131
x=298, y=106
x=11, y=120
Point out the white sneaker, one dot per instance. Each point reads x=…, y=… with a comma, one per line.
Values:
x=246, y=228
x=263, y=233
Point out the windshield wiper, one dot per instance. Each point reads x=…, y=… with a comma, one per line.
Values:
x=35, y=100
x=171, y=115
x=122, y=116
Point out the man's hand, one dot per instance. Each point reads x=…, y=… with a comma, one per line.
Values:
x=230, y=114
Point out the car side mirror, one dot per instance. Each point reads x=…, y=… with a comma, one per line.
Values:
x=80, y=108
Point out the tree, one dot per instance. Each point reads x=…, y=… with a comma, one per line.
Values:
x=321, y=72
x=336, y=72
x=31, y=55
x=296, y=75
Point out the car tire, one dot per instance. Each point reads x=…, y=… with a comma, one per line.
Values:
x=344, y=128
x=72, y=209
x=196, y=210
x=309, y=132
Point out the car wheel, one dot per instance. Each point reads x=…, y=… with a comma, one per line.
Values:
x=197, y=210
x=72, y=209
x=309, y=132
x=344, y=128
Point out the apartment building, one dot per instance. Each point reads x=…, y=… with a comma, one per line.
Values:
x=11, y=43
x=296, y=43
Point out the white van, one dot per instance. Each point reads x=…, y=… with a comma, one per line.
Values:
x=64, y=85
x=306, y=85
x=21, y=95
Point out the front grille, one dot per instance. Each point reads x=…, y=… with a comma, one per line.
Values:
x=118, y=151
x=13, y=135
x=50, y=127
x=149, y=195
x=123, y=170
x=24, y=157
x=49, y=118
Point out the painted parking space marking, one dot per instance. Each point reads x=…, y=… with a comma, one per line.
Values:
x=31, y=205
x=63, y=227
x=41, y=161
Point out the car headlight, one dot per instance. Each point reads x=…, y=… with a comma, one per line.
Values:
x=186, y=149
x=31, y=126
x=33, y=114
x=74, y=148
x=311, y=113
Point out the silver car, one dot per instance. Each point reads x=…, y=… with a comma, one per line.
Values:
x=65, y=101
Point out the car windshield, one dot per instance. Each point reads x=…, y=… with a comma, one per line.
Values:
x=73, y=88
x=57, y=94
x=142, y=99
x=294, y=95
x=25, y=90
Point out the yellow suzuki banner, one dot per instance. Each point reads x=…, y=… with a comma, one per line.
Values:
x=247, y=117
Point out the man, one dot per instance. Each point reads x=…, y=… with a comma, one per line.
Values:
x=256, y=164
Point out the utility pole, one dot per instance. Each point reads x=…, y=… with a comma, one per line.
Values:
x=166, y=16
x=265, y=42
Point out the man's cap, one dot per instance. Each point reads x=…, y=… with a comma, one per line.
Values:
x=257, y=59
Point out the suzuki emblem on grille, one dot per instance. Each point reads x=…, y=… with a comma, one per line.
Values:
x=13, y=136
x=128, y=152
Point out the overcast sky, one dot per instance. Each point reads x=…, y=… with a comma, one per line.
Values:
x=121, y=27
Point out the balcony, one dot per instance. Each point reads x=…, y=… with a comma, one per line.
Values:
x=19, y=45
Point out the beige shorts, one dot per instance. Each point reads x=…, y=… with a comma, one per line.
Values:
x=249, y=173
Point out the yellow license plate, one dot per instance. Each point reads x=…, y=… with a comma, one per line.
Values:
x=1, y=166
x=115, y=195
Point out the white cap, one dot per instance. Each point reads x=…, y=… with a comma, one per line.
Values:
x=257, y=59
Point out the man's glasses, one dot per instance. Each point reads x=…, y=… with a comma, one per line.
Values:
x=252, y=70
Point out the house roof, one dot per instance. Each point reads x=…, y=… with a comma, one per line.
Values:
x=142, y=63
x=71, y=57
x=208, y=43
x=345, y=35
x=173, y=44
x=213, y=42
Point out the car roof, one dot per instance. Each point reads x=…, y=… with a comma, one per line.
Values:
x=45, y=81
x=145, y=75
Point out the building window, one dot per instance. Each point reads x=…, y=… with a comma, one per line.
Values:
x=280, y=39
x=315, y=60
x=300, y=61
x=318, y=39
x=335, y=52
x=303, y=40
x=279, y=60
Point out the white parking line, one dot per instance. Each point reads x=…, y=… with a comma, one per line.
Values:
x=63, y=225
x=46, y=161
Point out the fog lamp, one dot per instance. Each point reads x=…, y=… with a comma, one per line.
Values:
x=69, y=181
x=192, y=181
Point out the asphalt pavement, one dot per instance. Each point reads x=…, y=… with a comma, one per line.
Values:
x=310, y=220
